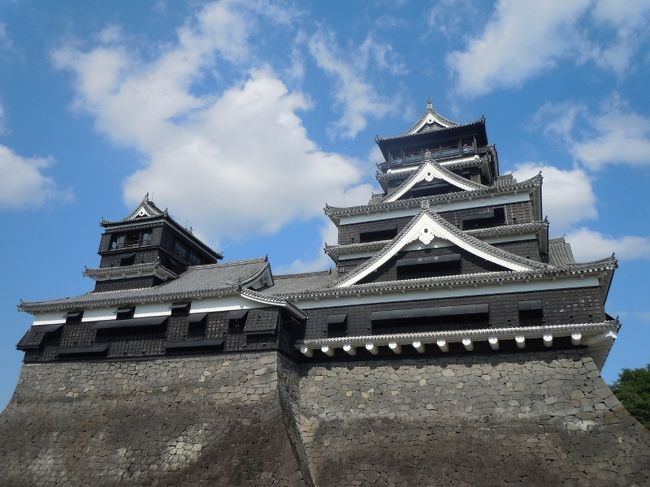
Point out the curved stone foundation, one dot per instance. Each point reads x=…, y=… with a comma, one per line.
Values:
x=259, y=419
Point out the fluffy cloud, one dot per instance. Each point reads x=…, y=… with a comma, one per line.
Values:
x=6, y=42
x=629, y=19
x=523, y=39
x=589, y=245
x=23, y=183
x=563, y=189
x=355, y=97
x=512, y=48
x=237, y=162
x=614, y=134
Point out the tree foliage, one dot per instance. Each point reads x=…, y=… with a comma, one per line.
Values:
x=633, y=389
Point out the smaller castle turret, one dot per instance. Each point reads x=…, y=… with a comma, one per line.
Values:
x=145, y=249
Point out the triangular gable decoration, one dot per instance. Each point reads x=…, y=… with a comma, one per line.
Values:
x=429, y=171
x=428, y=226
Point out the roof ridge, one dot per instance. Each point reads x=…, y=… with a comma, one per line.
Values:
x=405, y=135
x=228, y=264
x=302, y=274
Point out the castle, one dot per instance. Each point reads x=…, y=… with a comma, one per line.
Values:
x=453, y=343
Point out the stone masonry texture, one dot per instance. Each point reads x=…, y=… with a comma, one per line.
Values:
x=260, y=419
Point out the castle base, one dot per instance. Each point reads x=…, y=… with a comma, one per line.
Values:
x=260, y=419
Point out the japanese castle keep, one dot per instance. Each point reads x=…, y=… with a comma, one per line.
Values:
x=452, y=343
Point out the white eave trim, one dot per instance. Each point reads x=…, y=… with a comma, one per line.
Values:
x=597, y=337
x=478, y=334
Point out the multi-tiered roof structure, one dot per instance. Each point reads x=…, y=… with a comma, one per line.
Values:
x=451, y=265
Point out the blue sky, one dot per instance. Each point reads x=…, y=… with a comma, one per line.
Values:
x=245, y=117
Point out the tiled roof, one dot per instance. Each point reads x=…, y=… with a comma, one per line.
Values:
x=295, y=283
x=480, y=121
x=142, y=269
x=484, y=278
x=334, y=212
x=197, y=281
x=559, y=252
x=431, y=111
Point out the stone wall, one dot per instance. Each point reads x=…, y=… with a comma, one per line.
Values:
x=520, y=419
x=259, y=419
x=189, y=421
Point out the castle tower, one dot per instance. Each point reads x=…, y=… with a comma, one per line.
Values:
x=146, y=248
x=453, y=343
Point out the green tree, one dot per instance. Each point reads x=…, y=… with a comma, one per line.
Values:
x=633, y=389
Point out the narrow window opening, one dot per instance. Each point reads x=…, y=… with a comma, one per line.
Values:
x=531, y=313
x=375, y=235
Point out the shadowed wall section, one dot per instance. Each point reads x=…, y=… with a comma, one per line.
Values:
x=533, y=419
x=260, y=419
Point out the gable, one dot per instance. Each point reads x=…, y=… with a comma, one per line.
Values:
x=427, y=228
x=429, y=172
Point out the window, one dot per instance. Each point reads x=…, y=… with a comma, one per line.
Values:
x=337, y=325
x=128, y=259
x=430, y=266
x=490, y=218
x=414, y=320
x=376, y=234
x=180, y=309
x=125, y=312
x=531, y=312
x=130, y=240
x=197, y=325
x=236, y=321
x=74, y=317
x=180, y=249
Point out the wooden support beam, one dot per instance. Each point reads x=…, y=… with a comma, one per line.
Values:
x=548, y=340
x=327, y=351
x=467, y=343
x=350, y=350
x=372, y=348
x=494, y=343
x=307, y=352
x=442, y=345
x=521, y=341
x=395, y=347
x=418, y=346
x=576, y=338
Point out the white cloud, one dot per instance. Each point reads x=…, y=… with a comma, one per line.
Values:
x=568, y=197
x=614, y=134
x=523, y=39
x=355, y=96
x=520, y=40
x=6, y=42
x=629, y=19
x=590, y=245
x=23, y=183
x=454, y=18
x=236, y=161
